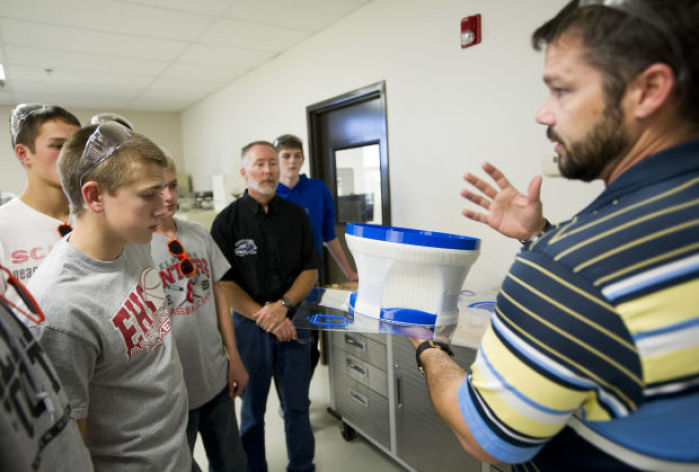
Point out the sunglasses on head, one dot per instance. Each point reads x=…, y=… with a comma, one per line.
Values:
x=20, y=114
x=104, y=141
x=37, y=316
x=177, y=249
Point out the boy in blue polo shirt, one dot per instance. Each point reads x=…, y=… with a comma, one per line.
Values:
x=313, y=196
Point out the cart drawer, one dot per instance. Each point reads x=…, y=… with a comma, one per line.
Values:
x=362, y=347
x=363, y=407
x=348, y=365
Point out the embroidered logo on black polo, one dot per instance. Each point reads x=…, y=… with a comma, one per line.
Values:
x=245, y=247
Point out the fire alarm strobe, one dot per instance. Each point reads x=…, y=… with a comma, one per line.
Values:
x=470, y=31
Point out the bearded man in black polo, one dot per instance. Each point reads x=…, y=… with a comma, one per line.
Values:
x=274, y=265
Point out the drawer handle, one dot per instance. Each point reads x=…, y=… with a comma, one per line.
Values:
x=399, y=393
x=359, y=398
x=354, y=342
x=356, y=367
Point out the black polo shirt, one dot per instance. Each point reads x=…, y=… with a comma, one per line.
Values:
x=267, y=251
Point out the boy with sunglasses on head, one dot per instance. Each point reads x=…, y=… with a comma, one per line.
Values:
x=108, y=333
x=33, y=222
x=190, y=266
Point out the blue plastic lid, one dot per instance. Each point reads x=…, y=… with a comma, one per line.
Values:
x=400, y=315
x=415, y=237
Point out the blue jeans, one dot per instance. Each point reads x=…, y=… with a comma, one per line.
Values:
x=216, y=422
x=288, y=362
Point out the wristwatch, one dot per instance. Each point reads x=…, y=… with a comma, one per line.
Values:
x=287, y=303
x=547, y=226
x=427, y=345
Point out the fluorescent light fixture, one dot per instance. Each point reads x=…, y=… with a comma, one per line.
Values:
x=2, y=72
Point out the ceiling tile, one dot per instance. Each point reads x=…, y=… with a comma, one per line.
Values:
x=63, y=76
x=206, y=7
x=72, y=96
x=40, y=87
x=189, y=95
x=109, y=16
x=16, y=32
x=155, y=104
x=220, y=74
x=304, y=14
x=57, y=60
x=96, y=102
x=254, y=36
x=186, y=87
x=214, y=55
x=166, y=99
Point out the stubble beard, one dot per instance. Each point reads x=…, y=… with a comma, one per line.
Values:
x=607, y=142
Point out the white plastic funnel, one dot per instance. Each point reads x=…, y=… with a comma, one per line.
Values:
x=408, y=275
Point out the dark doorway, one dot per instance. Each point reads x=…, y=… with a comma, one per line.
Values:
x=348, y=147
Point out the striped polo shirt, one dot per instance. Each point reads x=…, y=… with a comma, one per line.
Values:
x=592, y=358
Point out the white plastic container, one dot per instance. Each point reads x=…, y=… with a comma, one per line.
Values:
x=410, y=276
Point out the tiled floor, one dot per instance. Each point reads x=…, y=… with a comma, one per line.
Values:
x=333, y=453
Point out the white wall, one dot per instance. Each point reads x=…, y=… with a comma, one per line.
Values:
x=163, y=128
x=448, y=109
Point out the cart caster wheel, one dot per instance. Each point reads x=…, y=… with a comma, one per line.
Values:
x=348, y=432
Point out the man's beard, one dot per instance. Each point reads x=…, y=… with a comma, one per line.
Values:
x=586, y=159
x=266, y=190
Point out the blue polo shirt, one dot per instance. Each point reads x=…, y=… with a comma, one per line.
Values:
x=590, y=361
x=314, y=197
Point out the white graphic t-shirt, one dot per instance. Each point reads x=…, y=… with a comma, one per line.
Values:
x=26, y=237
x=192, y=309
x=107, y=332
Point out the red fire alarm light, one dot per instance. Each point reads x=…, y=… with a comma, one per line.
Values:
x=470, y=31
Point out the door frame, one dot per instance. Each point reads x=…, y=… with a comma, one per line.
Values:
x=313, y=112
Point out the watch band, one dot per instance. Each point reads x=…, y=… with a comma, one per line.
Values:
x=547, y=226
x=287, y=303
x=427, y=345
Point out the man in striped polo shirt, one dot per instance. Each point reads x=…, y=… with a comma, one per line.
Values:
x=591, y=361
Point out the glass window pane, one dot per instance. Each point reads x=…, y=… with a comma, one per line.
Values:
x=358, y=173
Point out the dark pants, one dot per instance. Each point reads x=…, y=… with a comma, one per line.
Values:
x=266, y=357
x=315, y=352
x=216, y=422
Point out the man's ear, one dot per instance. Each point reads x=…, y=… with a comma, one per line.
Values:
x=22, y=153
x=652, y=89
x=92, y=196
x=242, y=173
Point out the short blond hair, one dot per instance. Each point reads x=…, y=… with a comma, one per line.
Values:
x=121, y=168
x=170, y=164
